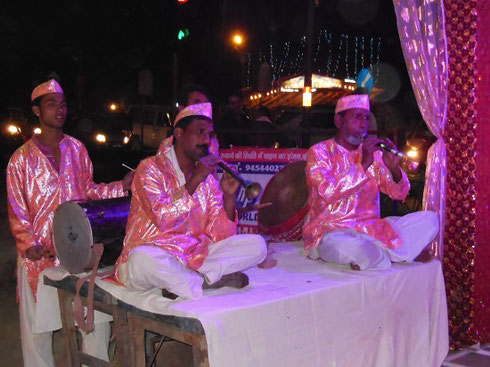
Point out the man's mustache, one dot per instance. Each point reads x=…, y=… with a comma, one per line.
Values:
x=204, y=148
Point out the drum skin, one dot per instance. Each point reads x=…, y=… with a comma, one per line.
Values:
x=77, y=225
x=288, y=193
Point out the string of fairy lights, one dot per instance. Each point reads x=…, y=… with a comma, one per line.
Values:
x=335, y=55
x=356, y=50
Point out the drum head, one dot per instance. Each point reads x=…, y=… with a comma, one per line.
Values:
x=288, y=194
x=72, y=236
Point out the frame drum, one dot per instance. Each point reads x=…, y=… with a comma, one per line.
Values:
x=77, y=225
x=288, y=193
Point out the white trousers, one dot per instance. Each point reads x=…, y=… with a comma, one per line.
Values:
x=346, y=246
x=37, y=350
x=150, y=267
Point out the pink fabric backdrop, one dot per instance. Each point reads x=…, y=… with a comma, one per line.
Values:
x=423, y=39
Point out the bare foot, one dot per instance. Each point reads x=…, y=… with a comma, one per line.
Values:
x=354, y=266
x=235, y=280
x=269, y=262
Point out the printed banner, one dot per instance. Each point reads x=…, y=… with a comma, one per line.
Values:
x=257, y=165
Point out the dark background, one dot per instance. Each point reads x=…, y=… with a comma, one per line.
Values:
x=98, y=48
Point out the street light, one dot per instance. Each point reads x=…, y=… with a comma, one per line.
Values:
x=238, y=40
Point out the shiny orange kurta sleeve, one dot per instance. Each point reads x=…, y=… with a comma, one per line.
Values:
x=35, y=189
x=343, y=195
x=163, y=214
x=21, y=223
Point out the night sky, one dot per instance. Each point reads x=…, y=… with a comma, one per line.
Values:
x=103, y=45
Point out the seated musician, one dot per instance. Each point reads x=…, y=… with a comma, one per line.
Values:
x=344, y=176
x=180, y=235
x=46, y=171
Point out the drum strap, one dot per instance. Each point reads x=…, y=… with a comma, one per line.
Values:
x=87, y=323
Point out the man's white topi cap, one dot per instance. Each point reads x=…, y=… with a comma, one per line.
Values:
x=51, y=86
x=352, y=101
x=198, y=109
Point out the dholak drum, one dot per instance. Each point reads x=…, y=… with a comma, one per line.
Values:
x=287, y=191
x=77, y=225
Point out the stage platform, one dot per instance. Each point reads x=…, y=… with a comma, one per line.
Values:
x=309, y=313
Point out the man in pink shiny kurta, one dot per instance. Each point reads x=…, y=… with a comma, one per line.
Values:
x=46, y=171
x=344, y=176
x=182, y=223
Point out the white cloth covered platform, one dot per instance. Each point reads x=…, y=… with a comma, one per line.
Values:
x=308, y=313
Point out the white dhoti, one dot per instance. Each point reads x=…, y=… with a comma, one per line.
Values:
x=37, y=336
x=346, y=246
x=151, y=267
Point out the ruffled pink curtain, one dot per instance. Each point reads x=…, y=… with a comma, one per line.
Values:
x=423, y=39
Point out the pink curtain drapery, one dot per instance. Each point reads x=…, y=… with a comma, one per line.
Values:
x=421, y=27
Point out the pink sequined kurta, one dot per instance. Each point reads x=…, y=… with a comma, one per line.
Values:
x=165, y=215
x=35, y=189
x=343, y=195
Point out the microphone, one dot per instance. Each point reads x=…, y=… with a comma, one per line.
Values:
x=409, y=162
x=252, y=189
x=393, y=150
x=387, y=148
